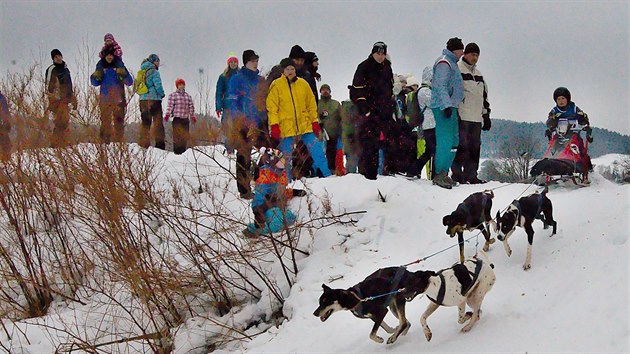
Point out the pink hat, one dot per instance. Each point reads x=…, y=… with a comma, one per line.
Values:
x=109, y=36
x=232, y=58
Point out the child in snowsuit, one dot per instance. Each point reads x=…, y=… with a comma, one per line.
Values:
x=271, y=194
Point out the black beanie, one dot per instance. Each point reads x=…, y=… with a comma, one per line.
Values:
x=471, y=48
x=561, y=91
x=55, y=52
x=379, y=47
x=249, y=55
x=297, y=52
x=286, y=62
x=454, y=44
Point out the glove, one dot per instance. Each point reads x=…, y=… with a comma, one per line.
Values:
x=122, y=73
x=166, y=118
x=299, y=192
x=219, y=114
x=316, y=129
x=363, y=108
x=447, y=112
x=589, y=139
x=98, y=75
x=275, y=132
x=548, y=134
x=582, y=120
x=486, y=122
x=193, y=119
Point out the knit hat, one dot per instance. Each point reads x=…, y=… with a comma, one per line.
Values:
x=454, y=44
x=471, y=48
x=297, y=52
x=54, y=53
x=109, y=36
x=232, y=58
x=324, y=86
x=153, y=58
x=561, y=91
x=179, y=81
x=249, y=55
x=379, y=47
x=286, y=62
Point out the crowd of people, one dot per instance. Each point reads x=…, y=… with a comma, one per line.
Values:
x=389, y=125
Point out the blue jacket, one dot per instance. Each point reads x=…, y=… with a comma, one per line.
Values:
x=246, y=96
x=112, y=87
x=222, y=87
x=154, y=83
x=448, y=86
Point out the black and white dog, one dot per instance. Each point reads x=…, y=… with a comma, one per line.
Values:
x=474, y=213
x=387, y=288
x=523, y=212
x=463, y=283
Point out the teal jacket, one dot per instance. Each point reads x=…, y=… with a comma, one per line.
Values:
x=154, y=83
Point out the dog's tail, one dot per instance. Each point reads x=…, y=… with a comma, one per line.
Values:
x=485, y=255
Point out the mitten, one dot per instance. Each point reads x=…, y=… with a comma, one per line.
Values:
x=219, y=113
x=275, y=132
x=166, y=118
x=122, y=73
x=98, y=75
x=447, y=112
x=193, y=119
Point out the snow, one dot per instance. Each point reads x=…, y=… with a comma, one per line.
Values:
x=573, y=299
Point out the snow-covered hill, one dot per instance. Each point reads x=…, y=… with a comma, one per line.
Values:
x=573, y=299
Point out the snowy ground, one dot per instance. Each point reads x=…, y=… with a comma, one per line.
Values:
x=573, y=299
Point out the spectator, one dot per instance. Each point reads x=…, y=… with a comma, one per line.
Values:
x=181, y=108
x=60, y=98
x=446, y=95
x=350, y=123
x=112, y=100
x=151, y=105
x=330, y=120
x=110, y=44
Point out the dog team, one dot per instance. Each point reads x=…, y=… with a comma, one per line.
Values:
x=465, y=283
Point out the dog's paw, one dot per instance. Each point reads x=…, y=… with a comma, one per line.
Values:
x=428, y=335
x=466, y=328
x=392, y=339
x=376, y=338
x=465, y=318
x=527, y=266
x=486, y=247
x=404, y=331
x=509, y=253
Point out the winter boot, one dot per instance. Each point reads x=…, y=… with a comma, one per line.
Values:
x=442, y=180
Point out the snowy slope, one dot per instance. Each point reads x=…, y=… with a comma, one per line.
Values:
x=574, y=299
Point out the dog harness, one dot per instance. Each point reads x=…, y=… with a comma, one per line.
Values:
x=518, y=207
x=358, y=309
x=439, y=300
x=484, y=202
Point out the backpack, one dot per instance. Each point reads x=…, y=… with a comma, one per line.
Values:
x=140, y=84
x=415, y=116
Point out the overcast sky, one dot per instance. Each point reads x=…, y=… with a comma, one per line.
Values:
x=527, y=48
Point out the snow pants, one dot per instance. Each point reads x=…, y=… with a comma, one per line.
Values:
x=447, y=139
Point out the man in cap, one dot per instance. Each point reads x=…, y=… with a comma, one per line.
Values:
x=447, y=93
x=60, y=97
x=372, y=92
x=474, y=113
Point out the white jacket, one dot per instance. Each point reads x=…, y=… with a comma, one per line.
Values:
x=424, y=98
x=475, y=103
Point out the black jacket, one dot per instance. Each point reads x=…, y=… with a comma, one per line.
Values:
x=59, y=83
x=372, y=87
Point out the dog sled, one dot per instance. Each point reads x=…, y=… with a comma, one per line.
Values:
x=566, y=157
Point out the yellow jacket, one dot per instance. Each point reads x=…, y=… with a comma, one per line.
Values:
x=292, y=107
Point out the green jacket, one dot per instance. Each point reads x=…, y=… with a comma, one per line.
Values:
x=350, y=121
x=329, y=118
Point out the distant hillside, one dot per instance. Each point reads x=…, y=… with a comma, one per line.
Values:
x=605, y=141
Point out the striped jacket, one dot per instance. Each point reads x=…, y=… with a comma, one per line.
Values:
x=475, y=103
